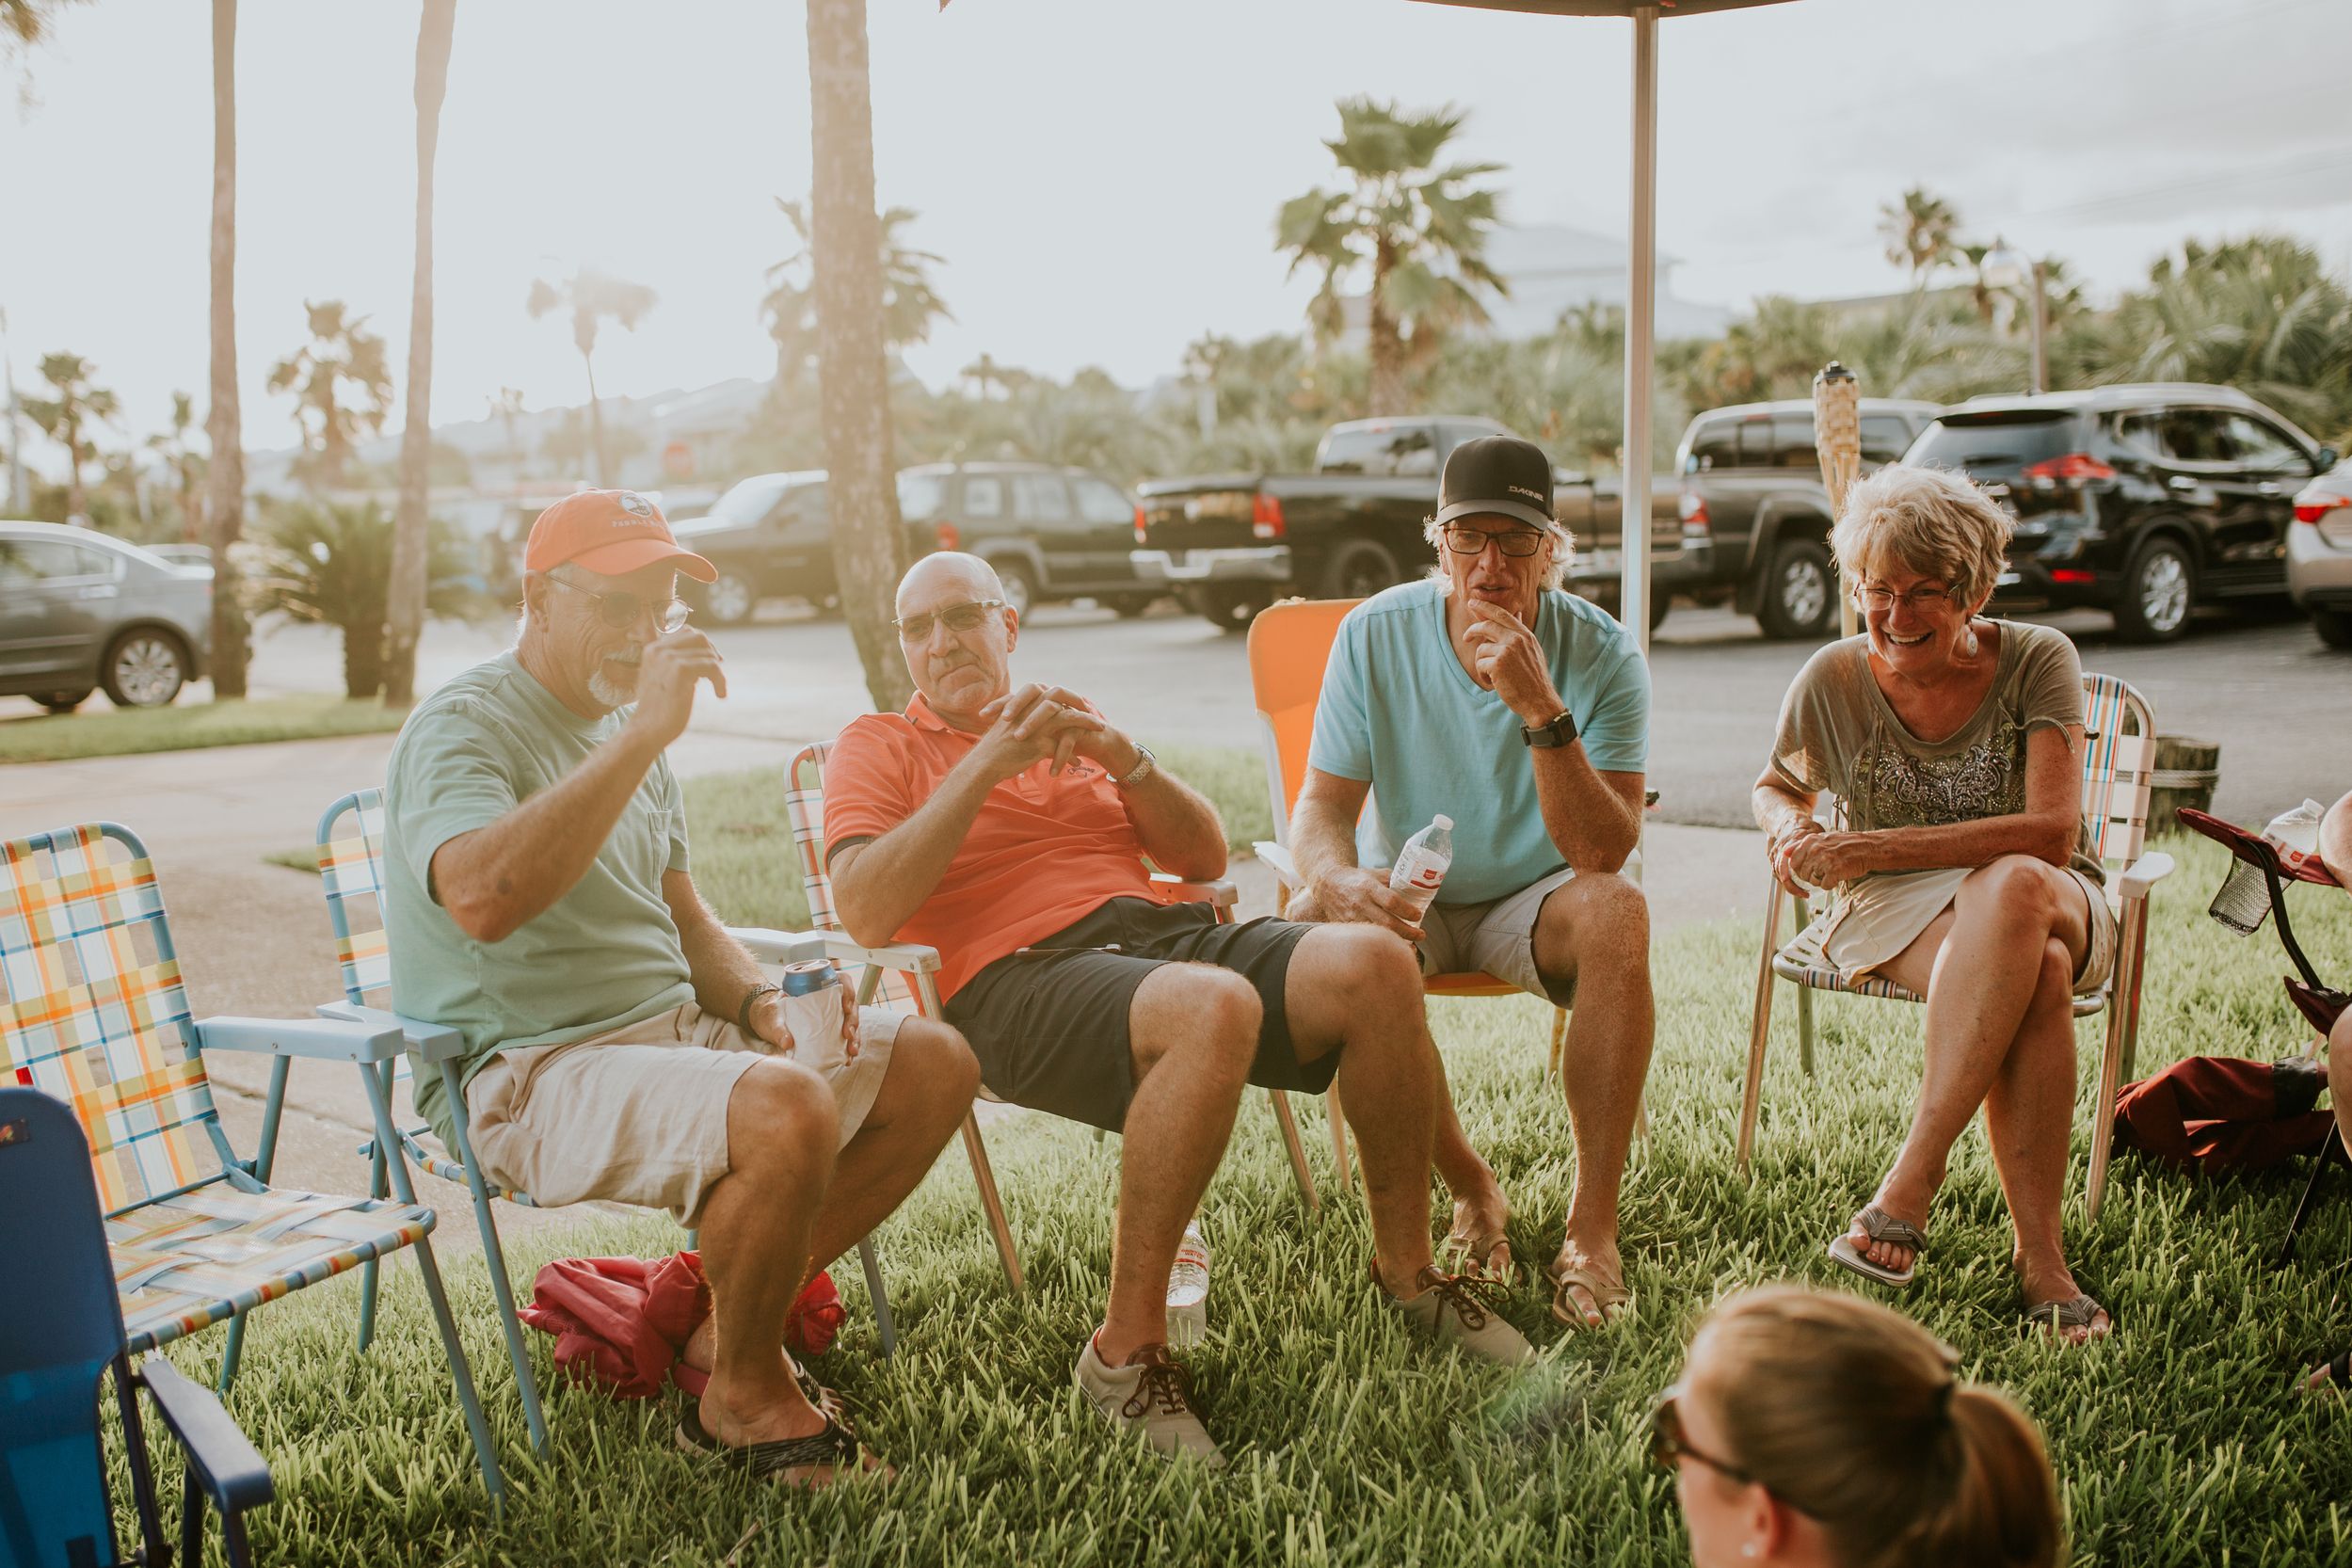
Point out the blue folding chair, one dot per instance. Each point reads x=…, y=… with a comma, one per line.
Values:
x=351, y=874
x=92, y=1012
x=61, y=1334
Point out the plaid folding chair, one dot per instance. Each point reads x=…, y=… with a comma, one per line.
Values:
x=351, y=874
x=906, y=974
x=62, y=1333
x=92, y=1012
x=2118, y=764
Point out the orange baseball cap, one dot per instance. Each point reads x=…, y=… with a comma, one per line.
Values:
x=612, y=533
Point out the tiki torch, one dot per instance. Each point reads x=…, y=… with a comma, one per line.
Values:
x=1837, y=442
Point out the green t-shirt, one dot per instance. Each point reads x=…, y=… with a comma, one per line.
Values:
x=604, y=954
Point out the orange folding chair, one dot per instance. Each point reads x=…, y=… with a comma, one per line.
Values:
x=1289, y=644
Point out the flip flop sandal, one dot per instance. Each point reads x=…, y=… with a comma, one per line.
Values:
x=2338, y=1368
x=829, y=1446
x=2059, y=1314
x=1609, y=1296
x=1474, y=1256
x=1878, y=1226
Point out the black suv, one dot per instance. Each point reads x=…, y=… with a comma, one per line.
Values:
x=2147, y=501
x=769, y=537
x=1751, y=482
x=1051, y=533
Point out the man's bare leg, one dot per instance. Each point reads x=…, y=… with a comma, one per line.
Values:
x=1593, y=934
x=1192, y=1029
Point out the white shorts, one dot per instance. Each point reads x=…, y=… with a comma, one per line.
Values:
x=1887, y=913
x=1497, y=937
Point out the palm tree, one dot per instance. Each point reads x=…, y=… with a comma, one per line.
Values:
x=223, y=425
x=331, y=563
x=64, y=417
x=506, y=407
x=403, y=609
x=341, y=349
x=853, y=374
x=183, y=462
x=593, y=299
x=1918, y=232
x=909, y=303
x=1420, y=230
x=25, y=25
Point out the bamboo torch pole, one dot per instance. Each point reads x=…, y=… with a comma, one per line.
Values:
x=1837, y=442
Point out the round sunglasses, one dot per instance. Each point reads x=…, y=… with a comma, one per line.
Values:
x=624, y=610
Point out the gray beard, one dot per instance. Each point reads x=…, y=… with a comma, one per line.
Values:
x=607, y=692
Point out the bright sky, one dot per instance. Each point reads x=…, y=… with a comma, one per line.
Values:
x=1100, y=178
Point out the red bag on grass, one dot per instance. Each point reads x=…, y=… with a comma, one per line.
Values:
x=2224, y=1112
x=624, y=1322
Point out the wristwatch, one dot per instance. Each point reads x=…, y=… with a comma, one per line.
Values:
x=1560, y=732
x=743, y=1012
x=1144, y=763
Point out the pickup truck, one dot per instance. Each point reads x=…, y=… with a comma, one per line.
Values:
x=1231, y=544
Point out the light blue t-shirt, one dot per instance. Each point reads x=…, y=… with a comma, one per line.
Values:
x=1398, y=710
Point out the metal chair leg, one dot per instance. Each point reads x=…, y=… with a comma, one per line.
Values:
x=2103, y=1108
x=501, y=1284
x=2329, y=1147
x=880, y=1294
x=1804, y=1000
x=1297, y=1151
x=993, y=1206
x=1759, y=1028
x=1339, y=1116
x=378, y=1188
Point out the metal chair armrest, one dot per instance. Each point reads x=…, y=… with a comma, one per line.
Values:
x=1278, y=856
x=1221, y=893
x=222, y=1459
x=430, y=1042
x=770, y=946
x=2143, y=875
x=324, y=1039
x=907, y=957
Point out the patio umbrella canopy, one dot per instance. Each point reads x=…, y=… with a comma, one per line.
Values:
x=1642, y=260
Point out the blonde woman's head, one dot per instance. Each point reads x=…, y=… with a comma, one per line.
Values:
x=1921, y=523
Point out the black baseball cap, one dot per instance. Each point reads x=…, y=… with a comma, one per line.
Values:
x=1497, y=473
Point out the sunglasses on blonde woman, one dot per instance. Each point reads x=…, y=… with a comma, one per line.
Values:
x=1667, y=1443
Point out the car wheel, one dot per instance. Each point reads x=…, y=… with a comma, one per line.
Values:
x=1021, y=589
x=2334, y=627
x=1799, y=591
x=65, y=702
x=2159, y=590
x=1231, y=607
x=1129, y=607
x=144, y=669
x=730, y=601
x=1359, y=571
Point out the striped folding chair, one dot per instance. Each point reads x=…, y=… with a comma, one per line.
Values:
x=906, y=974
x=2118, y=764
x=92, y=1012
x=351, y=874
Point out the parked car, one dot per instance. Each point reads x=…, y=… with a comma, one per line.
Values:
x=1051, y=533
x=196, y=556
x=2148, y=501
x=1232, y=544
x=80, y=609
x=1751, y=481
x=2319, y=556
x=769, y=537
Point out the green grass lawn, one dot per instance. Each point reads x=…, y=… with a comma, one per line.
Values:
x=186, y=726
x=2181, y=1441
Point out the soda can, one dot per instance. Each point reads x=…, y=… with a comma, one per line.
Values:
x=805, y=979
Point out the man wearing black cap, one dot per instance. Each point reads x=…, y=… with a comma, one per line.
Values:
x=1489, y=694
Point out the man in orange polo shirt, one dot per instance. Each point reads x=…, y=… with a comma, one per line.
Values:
x=1008, y=829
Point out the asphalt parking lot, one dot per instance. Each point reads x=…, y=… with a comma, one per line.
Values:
x=2280, y=705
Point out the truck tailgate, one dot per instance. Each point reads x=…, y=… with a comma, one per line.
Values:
x=1220, y=512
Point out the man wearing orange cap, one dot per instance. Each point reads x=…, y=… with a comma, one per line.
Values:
x=618, y=1043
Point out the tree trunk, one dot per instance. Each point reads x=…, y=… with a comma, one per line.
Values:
x=404, y=617
x=225, y=517
x=596, y=429
x=853, y=374
x=363, y=658
x=1388, y=346
x=76, y=498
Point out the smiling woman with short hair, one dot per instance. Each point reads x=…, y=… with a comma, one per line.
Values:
x=1962, y=869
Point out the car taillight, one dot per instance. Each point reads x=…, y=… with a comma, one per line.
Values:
x=1140, y=537
x=948, y=538
x=1266, y=516
x=2319, y=506
x=1694, y=514
x=2072, y=469
x=2074, y=576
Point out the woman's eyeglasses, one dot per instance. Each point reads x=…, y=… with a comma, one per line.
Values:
x=622, y=611
x=959, y=618
x=1518, y=543
x=1667, y=1443
x=1919, y=600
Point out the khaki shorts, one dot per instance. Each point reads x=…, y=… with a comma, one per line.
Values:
x=1497, y=936
x=638, y=1114
x=1885, y=914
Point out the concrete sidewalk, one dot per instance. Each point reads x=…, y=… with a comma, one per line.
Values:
x=254, y=939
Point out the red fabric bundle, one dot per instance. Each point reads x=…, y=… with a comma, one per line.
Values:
x=2223, y=1113
x=622, y=1322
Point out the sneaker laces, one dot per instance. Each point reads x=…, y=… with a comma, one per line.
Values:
x=1164, y=1384
x=1472, y=1297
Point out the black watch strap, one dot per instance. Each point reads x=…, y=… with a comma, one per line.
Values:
x=743, y=1012
x=1560, y=732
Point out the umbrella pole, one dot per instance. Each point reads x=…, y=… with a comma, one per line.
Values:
x=1641, y=322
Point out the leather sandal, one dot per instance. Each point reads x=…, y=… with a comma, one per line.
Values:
x=1610, y=1297
x=829, y=1447
x=1878, y=1226
x=1463, y=1253
x=2060, y=1314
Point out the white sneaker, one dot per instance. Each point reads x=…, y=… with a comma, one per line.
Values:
x=1151, y=1396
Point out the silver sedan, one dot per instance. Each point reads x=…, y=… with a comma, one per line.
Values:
x=80, y=609
x=2319, y=555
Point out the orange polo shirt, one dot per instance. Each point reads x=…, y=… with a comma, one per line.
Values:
x=1044, y=852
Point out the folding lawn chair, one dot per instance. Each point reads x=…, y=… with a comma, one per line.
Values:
x=93, y=1012
x=61, y=1332
x=2118, y=761
x=1290, y=646
x=905, y=974
x=351, y=874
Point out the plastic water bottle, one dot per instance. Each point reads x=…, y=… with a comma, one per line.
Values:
x=1421, y=865
x=1187, y=1290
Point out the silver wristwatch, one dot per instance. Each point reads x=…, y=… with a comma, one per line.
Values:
x=1144, y=763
